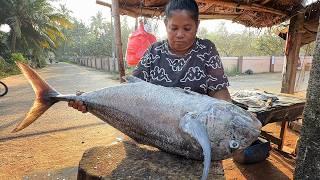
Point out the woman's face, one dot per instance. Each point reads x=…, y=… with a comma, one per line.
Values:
x=181, y=31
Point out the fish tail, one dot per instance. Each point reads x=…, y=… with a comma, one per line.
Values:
x=44, y=93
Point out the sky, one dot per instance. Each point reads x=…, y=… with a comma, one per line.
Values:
x=85, y=9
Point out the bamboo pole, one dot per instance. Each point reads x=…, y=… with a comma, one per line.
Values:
x=117, y=33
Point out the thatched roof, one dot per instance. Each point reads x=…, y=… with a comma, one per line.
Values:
x=251, y=13
x=310, y=26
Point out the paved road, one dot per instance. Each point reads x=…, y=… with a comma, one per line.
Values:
x=65, y=78
x=266, y=81
x=59, y=137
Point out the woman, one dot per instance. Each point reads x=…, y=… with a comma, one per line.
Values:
x=183, y=60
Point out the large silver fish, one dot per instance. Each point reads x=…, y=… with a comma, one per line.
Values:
x=174, y=120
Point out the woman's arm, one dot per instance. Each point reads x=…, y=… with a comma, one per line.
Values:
x=222, y=94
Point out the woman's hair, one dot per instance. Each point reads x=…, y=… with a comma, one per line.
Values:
x=188, y=5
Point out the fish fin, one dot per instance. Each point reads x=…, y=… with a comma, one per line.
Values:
x=132, y=79
x=43, y=92
x=192, y=126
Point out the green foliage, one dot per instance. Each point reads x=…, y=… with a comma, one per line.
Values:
x=232, y=72
x=17, y=57
x=261, y=42
x=125, y=32
x=35, y=27
x=94, y=39
x=269, y=44
x=308, y=49
x=7, y=69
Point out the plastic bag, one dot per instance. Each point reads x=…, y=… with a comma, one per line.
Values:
x=138, y=42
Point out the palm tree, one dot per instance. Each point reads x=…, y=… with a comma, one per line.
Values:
x=7, y=16
x=35, y=25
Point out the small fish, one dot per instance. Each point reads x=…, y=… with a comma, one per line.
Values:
x=174, y=120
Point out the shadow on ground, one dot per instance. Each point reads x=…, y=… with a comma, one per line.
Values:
x=129, y=160
x=266, y=170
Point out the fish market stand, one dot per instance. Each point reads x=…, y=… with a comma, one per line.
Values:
x=270, y=108
x=123, y=160
x=301, y=30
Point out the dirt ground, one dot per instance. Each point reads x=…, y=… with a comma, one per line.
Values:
x=52, y=147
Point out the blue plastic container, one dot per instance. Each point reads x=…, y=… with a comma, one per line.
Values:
x=257, y=152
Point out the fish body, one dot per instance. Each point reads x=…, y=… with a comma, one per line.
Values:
x=174, y=120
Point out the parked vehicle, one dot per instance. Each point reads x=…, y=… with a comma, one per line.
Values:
x=3, y=89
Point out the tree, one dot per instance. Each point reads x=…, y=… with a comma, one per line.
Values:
x=202, y=32
x=125, y=32
x=234, y=44
x=308, y=162
x=270, y=44
x=35, y=26
x=221, y=38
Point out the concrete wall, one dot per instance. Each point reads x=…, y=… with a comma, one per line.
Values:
x=278, y=63
x=261, y=64
x=258, y=64
x=230, y=63
x=101, y=63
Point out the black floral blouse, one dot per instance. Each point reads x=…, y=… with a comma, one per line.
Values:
x=199, y=70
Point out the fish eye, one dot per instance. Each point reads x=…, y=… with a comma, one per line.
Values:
x=234, y=144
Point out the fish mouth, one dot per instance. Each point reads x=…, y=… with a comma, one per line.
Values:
x=257, y=124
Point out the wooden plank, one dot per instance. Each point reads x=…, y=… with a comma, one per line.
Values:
x=283, y=133
x=205, y=8
x=252, y=7
x=123, y=11
x=271, y=138
x=117, y=33
x=265, y=2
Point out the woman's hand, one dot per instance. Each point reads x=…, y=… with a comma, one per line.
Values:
x=79, y=105
x=222, y=94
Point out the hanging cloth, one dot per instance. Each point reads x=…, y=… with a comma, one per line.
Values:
x=138, y=42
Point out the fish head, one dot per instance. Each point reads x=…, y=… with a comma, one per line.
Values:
x=230, y=129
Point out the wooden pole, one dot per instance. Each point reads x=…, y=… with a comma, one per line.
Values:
x=113, y=53
x=292, y=50
x=117, y=33
x=136, y=25
x=252, y=7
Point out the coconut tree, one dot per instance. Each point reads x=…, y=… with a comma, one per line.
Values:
x=35, y=25
x=8, y=16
